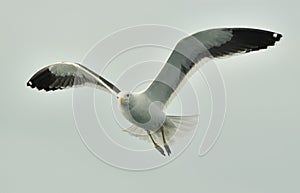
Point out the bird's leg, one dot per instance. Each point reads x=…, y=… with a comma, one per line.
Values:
x=156, y=145
x=168, y=150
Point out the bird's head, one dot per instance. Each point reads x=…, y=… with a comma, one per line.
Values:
x=123, y=97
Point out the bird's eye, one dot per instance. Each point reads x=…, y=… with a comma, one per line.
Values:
x=127, y=95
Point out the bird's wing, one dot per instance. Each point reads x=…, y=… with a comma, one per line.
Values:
x=213, y=43
x=66, y=75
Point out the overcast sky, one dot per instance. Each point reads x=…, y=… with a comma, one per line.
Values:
x=257, y=152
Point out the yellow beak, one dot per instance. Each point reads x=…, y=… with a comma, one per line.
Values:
x=121, y=100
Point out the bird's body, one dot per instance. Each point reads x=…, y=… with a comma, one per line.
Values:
x=142, y=112
x=146, y=110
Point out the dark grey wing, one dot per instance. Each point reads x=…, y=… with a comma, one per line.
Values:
x=66, y=75
x=208, y=44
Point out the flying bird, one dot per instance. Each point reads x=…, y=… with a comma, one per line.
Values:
x=146, y=110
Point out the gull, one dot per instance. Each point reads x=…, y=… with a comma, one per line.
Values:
x=146, y=110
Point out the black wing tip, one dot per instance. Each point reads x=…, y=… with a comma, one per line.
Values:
x=277, y=36
x=41, y=80
x=47, y=81
x=29, y=83
x=263, y=38
x=39, y=88
x=246, y=40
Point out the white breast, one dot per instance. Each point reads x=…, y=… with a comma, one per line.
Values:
x=145, y=114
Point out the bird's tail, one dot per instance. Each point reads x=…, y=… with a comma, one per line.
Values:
x=174, y=127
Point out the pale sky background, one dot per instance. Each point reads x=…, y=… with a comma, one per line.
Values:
x=41, y=151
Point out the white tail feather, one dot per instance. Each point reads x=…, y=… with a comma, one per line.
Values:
x=174, y=127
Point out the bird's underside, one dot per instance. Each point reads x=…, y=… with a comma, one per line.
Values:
x=188, y=54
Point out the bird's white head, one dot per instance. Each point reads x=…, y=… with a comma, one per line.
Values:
x=123, y=97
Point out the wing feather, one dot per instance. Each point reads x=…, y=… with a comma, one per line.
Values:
x=66, y=75
x=191, y=51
